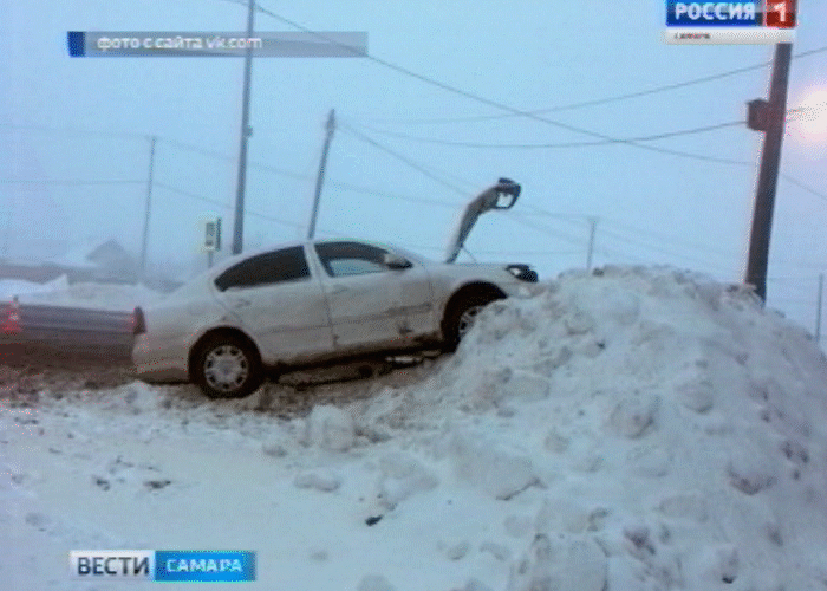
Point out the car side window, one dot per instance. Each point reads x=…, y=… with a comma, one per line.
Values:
x=287, y=264
x=344, y=259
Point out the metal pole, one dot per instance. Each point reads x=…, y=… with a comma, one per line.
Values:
x=759, y=245
x=245, y=134
x=818, y=309
x=145, y=240
x=593, y=222
x=330, y=127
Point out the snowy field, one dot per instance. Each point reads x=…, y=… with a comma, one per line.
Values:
x=635, y=430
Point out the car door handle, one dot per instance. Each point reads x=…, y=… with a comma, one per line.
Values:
x=240, y=303
x=337, y=289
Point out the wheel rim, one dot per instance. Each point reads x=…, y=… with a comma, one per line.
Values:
x=466, y=320
x=226, y=368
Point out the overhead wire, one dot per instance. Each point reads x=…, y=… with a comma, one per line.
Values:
x=490, y=102
x=255, y=214
x=72, y=182
x=534, y=146
x=658, y=249
x=596, y=102
x=404, y=159
x=684, y=243
x=306, y=177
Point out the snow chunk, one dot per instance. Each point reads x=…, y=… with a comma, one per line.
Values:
x=457, y=551
x=635, y=416
x=684, y=505
x=331, y=428
x=321, y=481
x=563, y=515
x=140, y=398
x=374, y=583
x=713, y=566
x=500, y=473
x=498, y=551
x=562, y=565
x=698, y=396
x=401, y=477
x=750, y=473
x=474, y=585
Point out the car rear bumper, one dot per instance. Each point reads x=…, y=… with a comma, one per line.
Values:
x=160, y=362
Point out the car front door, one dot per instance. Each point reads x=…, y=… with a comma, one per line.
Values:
x=373, y=304
x=280, y=303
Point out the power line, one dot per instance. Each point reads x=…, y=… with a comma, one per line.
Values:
x=222, y=156
x=542, y=228
x=405, y=160
x=192, y=195
x=226, y=205
x=648, y=138
x=73, y=131
x=596, y=102
x=71, y=182
x=657, y=249
x=663, y=237
x=492, y=103
x=801, y=185
x=307, y=177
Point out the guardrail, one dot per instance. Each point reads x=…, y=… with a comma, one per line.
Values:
x=67, y=328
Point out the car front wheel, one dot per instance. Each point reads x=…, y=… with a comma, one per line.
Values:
x=227, y=366
x=461, y=316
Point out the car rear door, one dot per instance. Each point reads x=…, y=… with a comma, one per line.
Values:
x=373, y=305
x=280, y=303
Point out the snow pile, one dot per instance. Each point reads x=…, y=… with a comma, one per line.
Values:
x=632, y=430
x=669, y=419
x=59, y=292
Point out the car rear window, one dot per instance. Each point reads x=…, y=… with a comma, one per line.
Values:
x=287, y=264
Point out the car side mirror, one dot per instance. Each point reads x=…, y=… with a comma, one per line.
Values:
x=394, y=261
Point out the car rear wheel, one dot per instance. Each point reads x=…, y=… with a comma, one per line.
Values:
x=227, y=366
x=461, y=316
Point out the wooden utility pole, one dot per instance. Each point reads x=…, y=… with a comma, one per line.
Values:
x=246, y=132
x=818, y=308
x=145, y=240
x=330, y=127
x=590, y=252
x=767, y=117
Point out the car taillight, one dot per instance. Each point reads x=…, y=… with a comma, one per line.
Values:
x=138, y=325
x=10, y=321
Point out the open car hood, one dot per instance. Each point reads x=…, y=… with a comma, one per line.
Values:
x=503, y=195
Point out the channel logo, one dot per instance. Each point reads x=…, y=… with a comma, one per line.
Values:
x=163, y=565
x=713, y=14
x=751, y=22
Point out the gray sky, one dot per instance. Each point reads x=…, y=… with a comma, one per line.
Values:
x=652, y=207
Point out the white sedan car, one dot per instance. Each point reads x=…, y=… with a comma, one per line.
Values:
x=311, y=303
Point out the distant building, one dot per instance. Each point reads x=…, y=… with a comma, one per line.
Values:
x=103, y=261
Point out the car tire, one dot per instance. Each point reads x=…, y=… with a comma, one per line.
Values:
x=227, y=366
x=460, y=316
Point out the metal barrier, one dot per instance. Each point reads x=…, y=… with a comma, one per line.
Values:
x=65, y=327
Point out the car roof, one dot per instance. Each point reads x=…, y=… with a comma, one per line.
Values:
x=232, y=260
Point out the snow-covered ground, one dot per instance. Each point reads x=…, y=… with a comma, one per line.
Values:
x=59, y=292
x=639, y=429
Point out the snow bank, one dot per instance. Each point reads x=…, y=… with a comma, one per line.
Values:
x=633, y=429
x=676, y=425
x=59, y=292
